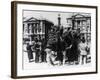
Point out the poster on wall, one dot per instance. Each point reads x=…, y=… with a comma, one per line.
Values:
x=50, y=39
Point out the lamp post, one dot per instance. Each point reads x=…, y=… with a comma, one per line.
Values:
x=59, y=21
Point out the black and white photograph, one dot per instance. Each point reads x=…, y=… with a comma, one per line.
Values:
x=56, y=39
x=53, y=39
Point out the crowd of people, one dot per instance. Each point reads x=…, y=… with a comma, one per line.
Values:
x=69, y=47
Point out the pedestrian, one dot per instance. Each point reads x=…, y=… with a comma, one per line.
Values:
x=43, y=53
x=59, y=51
x=74, y=49
x=83, y=52
x=37, y=55
x=68, y=44
x=30, y=52
x=48, y=53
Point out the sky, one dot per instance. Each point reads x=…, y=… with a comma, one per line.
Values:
x=49, y=15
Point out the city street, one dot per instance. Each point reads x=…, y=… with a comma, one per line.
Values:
x=44, y=65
